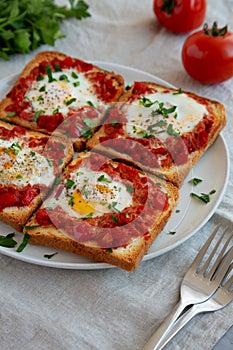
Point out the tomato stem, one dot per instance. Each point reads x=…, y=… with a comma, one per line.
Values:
x=214, y=31
x=168, y=6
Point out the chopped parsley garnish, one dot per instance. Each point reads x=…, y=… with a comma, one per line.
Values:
x=129, y=188
x=8, y=241
x=172, y=232
x=146, y=102
x=32, y=153
x=64, y=77
x=115, y=218
x=37, y=115
x=15, y=148
x=49, y=73
x=103, y=178
x=113, y=206
x=204, y=197
x=71, y=199
x=85, y=192
x=113, y=123
x=50, y=161
x=144, y=134
x=11, y=114
x=49, y=256
x=32, y=227
x=24, y=243
x=69, y=183
x=74, y=75
x=69, y=102
x=195, y=181
x=171, y=131
x=178, y=92
x=86, y=132
x=76, y=83
x=90, y=103
x=43, y=88
x=89, y=122
x=88, y=216
x=55, y=111
x=40, y=77
x=57, y=67
x=163, y=110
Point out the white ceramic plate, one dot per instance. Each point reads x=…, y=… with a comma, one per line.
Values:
x=189, y=217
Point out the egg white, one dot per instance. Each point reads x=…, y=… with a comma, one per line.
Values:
x=21, y=165
x=187, y=114
x=58, y=93
x=89, y=196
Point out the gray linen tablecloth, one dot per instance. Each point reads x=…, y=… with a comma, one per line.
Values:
x=48, y=308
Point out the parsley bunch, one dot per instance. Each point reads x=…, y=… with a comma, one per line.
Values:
x=27, y=24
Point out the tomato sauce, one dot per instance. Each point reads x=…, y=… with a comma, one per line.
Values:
x=102, y=83
x=11, y=196
x=115, y=229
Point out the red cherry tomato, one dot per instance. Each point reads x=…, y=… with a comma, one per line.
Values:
x=207, y=55
x=180, y=16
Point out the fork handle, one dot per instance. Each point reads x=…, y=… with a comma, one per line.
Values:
x=182, y=321
x=157, y=338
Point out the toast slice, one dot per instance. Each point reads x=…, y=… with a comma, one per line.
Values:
x=103, y=210
x=162, y=130
x=29, y=164
x=60, y=94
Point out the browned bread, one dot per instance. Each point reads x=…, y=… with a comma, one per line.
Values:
x=104, y=210
x=60, y=94
x=162, y=130
x=29, y=163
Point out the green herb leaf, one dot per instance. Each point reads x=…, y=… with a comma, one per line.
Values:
x=7, y=241
x=32, y=227
x=113, y=206
x=69, y=102
x=195, y=181
x=103, y=178
x=129, y=188
x=49, y=73
x=37, y=115
x=24, y=243
x=49, y=256
x=204, y=197
x=115, y=218
x=172, y=232
x=27, y=24
x=69, y=183
x=88, y=216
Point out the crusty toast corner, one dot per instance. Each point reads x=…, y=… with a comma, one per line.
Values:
x=127, y=257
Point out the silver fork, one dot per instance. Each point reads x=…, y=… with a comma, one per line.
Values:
x=198, y=284
x=222, y=297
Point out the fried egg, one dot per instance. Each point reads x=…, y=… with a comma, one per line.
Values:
x=62, y=91
x=21, y=165
x=163, y=114
x=90, y=193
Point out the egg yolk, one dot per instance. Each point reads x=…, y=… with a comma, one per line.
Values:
x=80, y=205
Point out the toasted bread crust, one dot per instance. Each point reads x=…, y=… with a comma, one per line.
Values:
x=127, y=258
x=79, y=142
x=177, y=173
x=17, y=216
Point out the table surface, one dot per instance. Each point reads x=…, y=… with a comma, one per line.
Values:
x=48, y=308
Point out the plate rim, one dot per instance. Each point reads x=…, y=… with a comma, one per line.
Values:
x=94, y=265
